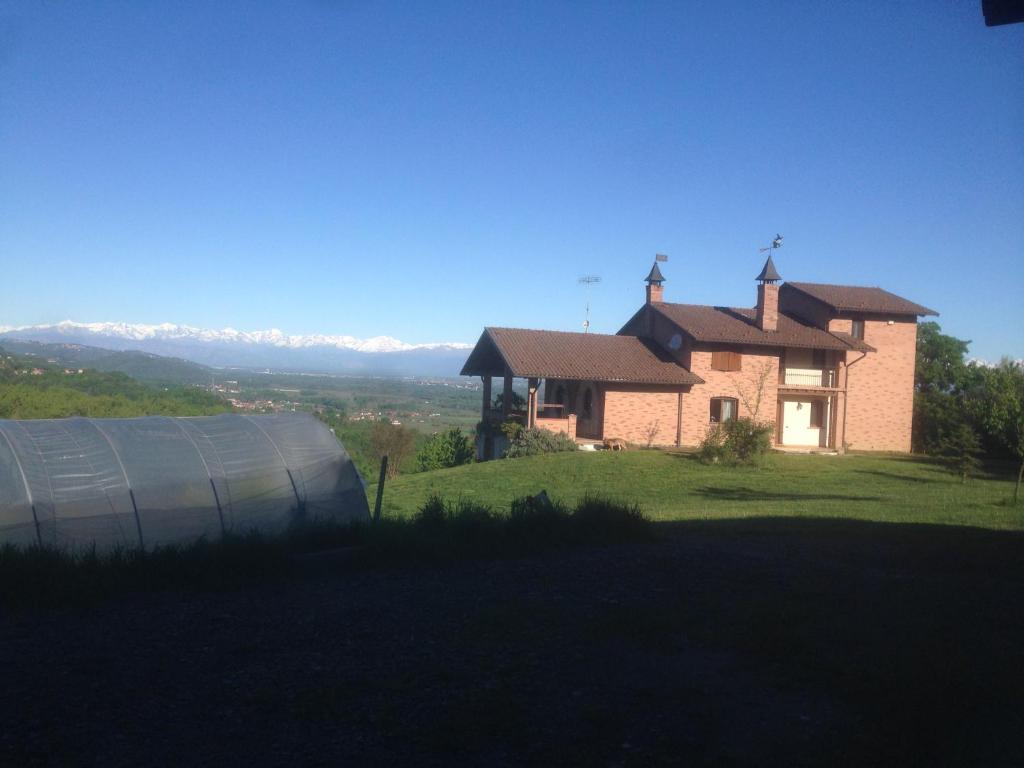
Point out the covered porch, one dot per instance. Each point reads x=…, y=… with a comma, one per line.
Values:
x=810, y=418
x=568, y=377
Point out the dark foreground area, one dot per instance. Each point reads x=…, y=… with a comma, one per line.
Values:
x=742, y=642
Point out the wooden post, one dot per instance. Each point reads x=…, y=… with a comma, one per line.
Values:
x=380, y=487
x=679, y=419
x=506, y=396
x=485, y=409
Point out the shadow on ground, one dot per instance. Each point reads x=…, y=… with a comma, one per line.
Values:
x=761, y=641
x=760, y=495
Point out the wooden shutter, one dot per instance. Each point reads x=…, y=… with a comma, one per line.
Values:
x=722, y=360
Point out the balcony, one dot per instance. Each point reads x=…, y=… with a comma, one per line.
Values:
x=810, y=377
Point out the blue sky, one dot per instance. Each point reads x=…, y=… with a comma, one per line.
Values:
x=424, y=169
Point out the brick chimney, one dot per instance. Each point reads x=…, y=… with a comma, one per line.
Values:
x=655, y=291
x=768, y=297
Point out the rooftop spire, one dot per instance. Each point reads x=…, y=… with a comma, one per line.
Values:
x=655, y=277
x=769, y=274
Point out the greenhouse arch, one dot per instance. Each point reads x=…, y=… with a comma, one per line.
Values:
x=158, y=480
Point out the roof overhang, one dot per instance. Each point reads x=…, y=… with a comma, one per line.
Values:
x=524, y=353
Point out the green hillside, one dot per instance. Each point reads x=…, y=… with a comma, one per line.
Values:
x=675, y=486
x=30, y=389
x=142, y=366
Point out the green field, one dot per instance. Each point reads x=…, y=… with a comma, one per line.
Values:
x=675, y=486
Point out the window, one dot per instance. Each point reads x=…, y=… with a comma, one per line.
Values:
x=818, y=358
x=723, y=409
x=726, y=361
x=857, y=329
x=560, y=395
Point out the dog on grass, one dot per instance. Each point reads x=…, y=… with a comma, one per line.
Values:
x=615, y=444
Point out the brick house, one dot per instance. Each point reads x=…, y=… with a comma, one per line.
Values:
x=832, y=366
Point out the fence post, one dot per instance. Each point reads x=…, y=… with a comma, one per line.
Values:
x=380, y=487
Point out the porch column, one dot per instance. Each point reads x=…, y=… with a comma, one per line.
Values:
x=506, y=398
x=485, y=409
x=531, y=413
x=839, y=417
x=839, y=433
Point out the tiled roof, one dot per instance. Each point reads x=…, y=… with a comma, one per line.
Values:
x=729, y=325
x=576, y=356
x=858, y=344
x=854, y=298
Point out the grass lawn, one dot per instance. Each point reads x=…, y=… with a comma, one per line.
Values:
x=675, y=486
x=841, y=611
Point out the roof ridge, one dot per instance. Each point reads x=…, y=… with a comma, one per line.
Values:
x=796, y=283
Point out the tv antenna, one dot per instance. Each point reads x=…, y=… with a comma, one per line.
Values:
x=586, y=281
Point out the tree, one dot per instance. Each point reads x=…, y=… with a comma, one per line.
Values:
x=394, y=441
x=940, y=363
x=996, y=401
x=940, y=377
x=451, y=448
x=960, y=450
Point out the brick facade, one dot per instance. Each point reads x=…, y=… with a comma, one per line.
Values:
x=880, y=387
x=741, y=385
x=640, y=414
x=875, y=413
x=768, y=306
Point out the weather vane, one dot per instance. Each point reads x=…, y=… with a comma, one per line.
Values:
x=776, y=243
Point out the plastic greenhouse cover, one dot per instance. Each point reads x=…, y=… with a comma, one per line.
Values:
x=72, y=483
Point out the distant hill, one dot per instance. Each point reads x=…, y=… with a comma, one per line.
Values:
x=32, y=388
x=273, y=349
x=142, y=366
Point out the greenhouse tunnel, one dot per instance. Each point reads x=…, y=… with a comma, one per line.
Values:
x=158, y=480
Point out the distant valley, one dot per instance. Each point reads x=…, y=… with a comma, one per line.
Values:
x=339, y=354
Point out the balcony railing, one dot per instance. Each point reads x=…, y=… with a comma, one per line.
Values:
x=823, y=378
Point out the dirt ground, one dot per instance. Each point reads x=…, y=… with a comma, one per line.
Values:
x=757, y=642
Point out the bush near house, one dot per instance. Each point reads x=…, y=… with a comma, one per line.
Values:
x=737, y=441
x=442, y=450
x=530, y=442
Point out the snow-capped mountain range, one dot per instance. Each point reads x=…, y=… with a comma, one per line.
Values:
x=272, y=348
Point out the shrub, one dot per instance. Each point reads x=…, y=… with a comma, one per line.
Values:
x=452, y=448
x=738, y=441
x=530, y=442
x=511, y=429
x=959, y=450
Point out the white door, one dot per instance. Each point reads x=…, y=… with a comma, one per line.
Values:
x=796, y=424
